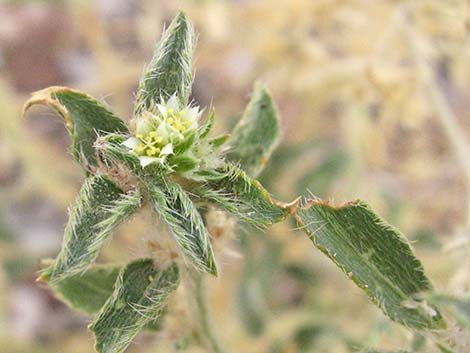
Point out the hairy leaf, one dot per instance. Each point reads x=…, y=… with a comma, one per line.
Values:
x=244, y=197
x=170, y=71
x=175, y=207
x=139, y=296
x=113, y=153
x=85, y=117
x=257, y=133
x=375, y=256
x=207, y=127
x=89, y=291
x=100, y=207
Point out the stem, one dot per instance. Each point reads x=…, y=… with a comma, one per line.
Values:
x=203, y=315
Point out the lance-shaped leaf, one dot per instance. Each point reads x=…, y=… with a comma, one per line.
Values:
x=85, y=118
x=257, y=133
x=244, y=197
x=100, y=207
x=175, y=207
x=139, y=296
x=88, y=291
x=170, y=71
x=375, y=256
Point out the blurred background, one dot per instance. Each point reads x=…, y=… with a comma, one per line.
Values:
x=374, y=98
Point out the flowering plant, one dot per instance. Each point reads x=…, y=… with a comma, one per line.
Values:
x=165, y=160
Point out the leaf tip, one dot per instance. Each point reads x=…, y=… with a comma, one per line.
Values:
x=47, y=98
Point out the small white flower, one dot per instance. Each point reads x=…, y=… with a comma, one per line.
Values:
x=145, y=161
x=145, y=123
x=131, y=143
x=167, y=150
x=173, y=103
x=157, y=132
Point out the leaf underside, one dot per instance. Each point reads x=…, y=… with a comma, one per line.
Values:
x=85, y=117
x=376, y=257
x=257, y=134
x=100, y=207
x=139, y=296
x=175, y=207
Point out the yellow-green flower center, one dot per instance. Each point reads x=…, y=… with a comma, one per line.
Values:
x=175, y=119
x=149, y=144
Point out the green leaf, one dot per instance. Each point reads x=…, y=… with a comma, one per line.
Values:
x=170, y=71
x=186, y=144
x=375, y=256
x=218, y=141
x=244, y=197
x=113, y=153
x=139, y=296
x=85, y=118
x=89, y=291
x=175, y=207
x=257, y=133
x=183, y=163
x=100, y=207
x=207, y=127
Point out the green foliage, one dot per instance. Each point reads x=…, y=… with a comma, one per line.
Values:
x=89, y=291
x=100, y=207
x=85, y=117
x=113, y=153
x=375, y=256
x=164, y=160
x=139, y=296
x=170, y=70
x=257, y=134
x=176, y=208
x=242, y=196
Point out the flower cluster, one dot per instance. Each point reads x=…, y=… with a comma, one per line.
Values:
x=156, y=134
